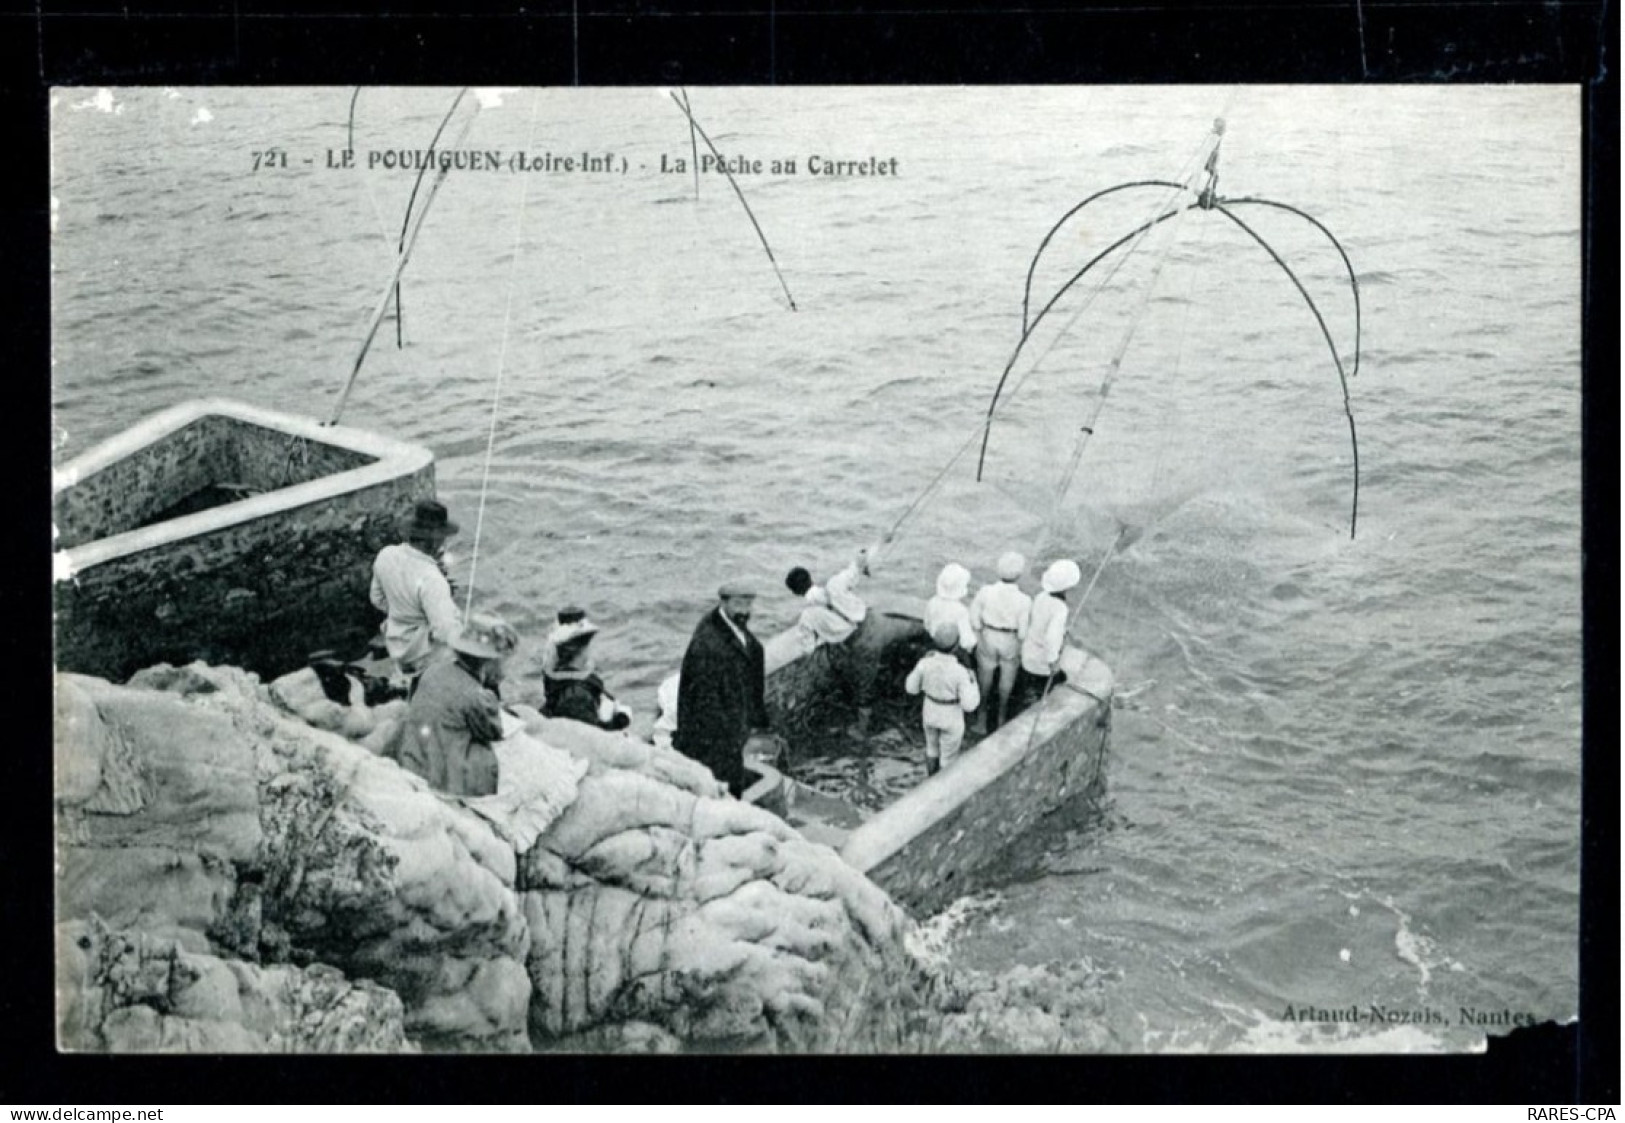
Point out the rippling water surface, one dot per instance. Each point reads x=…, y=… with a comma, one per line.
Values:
x=1349, y=774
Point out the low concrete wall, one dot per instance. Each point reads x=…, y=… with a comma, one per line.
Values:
x=178, y=453
x=926, y=848
x=259, y=583
x=803, y=688
x=126, y=492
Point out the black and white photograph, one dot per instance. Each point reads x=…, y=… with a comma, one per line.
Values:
x=710, y=569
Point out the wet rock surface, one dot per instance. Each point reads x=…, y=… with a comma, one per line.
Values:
x=205, y=830
x=1050, y=1008
x=127, y=991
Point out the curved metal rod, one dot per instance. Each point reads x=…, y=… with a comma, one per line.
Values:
x=1027, y=292
x=987, y=428
x=1348, y=409
x=694, y=124
x=411, y=200
x=395, y=276
x=349, y=134
x=1354, y=282
x=406, y=219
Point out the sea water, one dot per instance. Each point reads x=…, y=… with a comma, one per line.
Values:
x=1348, y=775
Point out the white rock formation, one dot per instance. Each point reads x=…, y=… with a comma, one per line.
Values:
x=629, y=906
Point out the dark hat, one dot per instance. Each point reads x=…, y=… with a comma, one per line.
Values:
x=429, y=517
x=571, y=614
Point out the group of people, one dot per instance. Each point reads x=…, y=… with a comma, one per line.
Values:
x=452, y=670
x=1012, y=640
x=713, y=708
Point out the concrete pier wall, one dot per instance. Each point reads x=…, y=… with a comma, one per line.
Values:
x=214, y=448
x=927, y=847
x=258, y=583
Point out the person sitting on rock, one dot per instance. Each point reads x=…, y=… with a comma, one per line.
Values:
x=568, y=618
x=832, y=618
x=454, y=715
x=998, y=612
x=948, y=607
x=950, y=693
x=412, y=590
x=573, y=690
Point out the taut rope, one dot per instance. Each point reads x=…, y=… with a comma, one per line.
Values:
x=400, y=265
x=502, y=362
x=682, y=103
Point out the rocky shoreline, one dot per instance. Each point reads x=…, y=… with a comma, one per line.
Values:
x=239, y=870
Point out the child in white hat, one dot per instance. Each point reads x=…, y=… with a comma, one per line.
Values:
x=948, y=606
x=1046, y=634
x=998, y=612
x=950, y=693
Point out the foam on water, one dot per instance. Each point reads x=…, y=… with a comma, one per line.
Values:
x=932, y=939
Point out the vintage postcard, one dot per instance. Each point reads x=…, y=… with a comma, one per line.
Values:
x=841, y=570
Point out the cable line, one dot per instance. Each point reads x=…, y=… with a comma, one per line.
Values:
x=1348, y=409
x=502, y=363
x=406, y=218
x=407, y=245
x=682, y=103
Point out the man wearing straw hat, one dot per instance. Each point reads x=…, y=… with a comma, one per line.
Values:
x=454, y=716
x=409, y=586
x=721, y=690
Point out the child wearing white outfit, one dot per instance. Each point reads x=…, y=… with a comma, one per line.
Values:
x=948, y=606
x=999, y=613
x=1045, y=635
x=950, y=693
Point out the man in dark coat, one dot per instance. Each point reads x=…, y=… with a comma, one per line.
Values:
x=720, y=699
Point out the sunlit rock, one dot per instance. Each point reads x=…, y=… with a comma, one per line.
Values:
x=130, y=992
x=608, y=897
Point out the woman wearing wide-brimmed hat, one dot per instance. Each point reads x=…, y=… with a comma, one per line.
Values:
x=950, y=693
x=572, y=687
x=455, y=716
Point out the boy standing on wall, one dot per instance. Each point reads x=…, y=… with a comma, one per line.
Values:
x=950, y=693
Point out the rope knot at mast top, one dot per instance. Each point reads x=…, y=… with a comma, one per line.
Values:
x=1029, y=323
x=1169, y=207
